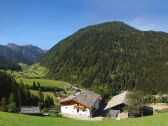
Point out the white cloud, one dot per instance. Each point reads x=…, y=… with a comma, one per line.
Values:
x=148, y=23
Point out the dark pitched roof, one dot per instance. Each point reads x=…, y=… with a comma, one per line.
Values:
x=86, y=98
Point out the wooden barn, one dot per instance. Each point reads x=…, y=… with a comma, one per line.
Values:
x=115, y=106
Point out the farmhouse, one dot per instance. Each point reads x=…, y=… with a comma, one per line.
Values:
x=83, y=103
x=30, y=110
x=116, y=104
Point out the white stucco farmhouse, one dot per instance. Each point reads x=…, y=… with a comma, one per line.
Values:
x=83, y=103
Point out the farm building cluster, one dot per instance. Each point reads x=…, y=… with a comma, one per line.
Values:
x=85, y=103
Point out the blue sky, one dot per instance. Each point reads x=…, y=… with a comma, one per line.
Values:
x=45, y=22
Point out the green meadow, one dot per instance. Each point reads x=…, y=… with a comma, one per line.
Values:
x=36, y=73
x=8, y=119
x=44, y=82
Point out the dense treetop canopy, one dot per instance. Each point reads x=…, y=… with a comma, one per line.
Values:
x=6, y=64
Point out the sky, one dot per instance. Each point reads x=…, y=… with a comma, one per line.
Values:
x=44, y=23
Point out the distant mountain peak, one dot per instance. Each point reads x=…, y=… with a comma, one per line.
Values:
x=25, y=54
x=11, y=45
x=29, y=45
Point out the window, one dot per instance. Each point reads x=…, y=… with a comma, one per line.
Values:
x=84, y=110
x=77, y=110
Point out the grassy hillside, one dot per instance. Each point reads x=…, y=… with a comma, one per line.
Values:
x=35, y=73
x=8, y=119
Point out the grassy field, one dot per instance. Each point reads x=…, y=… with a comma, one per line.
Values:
x=8, y=119
x=37, y=74
x=35, y=70
x=44, y=82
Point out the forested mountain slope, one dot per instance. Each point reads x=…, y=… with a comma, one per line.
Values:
x=111, y=57
x=6, y=64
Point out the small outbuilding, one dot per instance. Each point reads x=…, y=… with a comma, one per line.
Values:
x=30, y=110
x=115, y=106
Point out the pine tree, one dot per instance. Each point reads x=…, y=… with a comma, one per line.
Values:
x=41, y=99
x=38, y=85
x=12, y=104
x=49, y=101
x=34, y=85
x=11, y=98
x=3, y=105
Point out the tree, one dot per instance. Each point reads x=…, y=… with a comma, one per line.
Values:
x=136, y=103
x=34, y=87
x=3, y=105
x=41, y=99
x=11, y=98
x=38, y=85
x=49, y=102
x=12, y=105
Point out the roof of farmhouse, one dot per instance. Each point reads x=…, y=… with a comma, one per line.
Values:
x=85, y=97
x=118, y=100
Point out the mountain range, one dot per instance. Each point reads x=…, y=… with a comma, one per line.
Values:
x=111, y=57
x=27, y=54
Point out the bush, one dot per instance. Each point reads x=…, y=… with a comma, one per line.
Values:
x=12, y=107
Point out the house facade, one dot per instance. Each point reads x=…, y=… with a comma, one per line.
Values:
x=83, y=103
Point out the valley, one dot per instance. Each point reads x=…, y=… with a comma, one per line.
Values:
x=81, y=73
x=83, y=63
x=37, y=74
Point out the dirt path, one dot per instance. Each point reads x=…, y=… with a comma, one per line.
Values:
x=159, y=106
